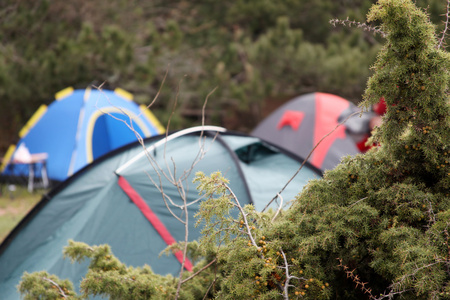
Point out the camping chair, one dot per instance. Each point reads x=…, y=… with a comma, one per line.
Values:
x=35, y=164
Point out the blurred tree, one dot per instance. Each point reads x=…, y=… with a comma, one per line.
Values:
x=254, y=51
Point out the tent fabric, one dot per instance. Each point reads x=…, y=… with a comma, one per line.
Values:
x=300, y=124
x=82, y=125
x=93, y=206
x=153, y=219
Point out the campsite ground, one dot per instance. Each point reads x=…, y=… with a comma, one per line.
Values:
x=13, y=207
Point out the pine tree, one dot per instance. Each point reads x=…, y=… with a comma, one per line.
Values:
x=376, y=226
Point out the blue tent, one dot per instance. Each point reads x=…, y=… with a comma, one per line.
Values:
x=79, y=126
x=114, y=201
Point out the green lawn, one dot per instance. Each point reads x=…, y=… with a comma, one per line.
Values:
x=12, y=210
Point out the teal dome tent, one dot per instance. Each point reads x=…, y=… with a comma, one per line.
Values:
x=114, y=201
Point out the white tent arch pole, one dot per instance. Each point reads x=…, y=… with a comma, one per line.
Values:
x=167, y=139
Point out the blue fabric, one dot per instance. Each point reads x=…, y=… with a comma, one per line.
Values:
x=82, y=127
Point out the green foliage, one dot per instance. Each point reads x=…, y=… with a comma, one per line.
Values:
x=41, y=285
x=376, y=225
x=215, y=212
x=375, y=214
x=253, y=51
x=252, y=265
x=106, y=277
x=47, y=46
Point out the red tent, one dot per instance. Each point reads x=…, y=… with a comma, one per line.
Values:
x=298, y=125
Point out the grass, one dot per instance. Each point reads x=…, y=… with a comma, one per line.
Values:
x=14, y=206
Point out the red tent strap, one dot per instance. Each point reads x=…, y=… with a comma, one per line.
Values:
x=153, y=219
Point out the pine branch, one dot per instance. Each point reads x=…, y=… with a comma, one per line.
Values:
x=363, y=26
x=355, y=278
x=447, y=237
x=394, y=286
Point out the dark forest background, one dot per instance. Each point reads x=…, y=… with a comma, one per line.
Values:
x=254, y=54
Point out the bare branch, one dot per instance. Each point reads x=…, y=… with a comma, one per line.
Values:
x=171, y=174
x=397, y=284
x=210, y=286
x=286, y=284
x=186, y=239
x=392, y=294
x=204, y=105
x=57, y=285
x=201, y=153
x=159, y=92
x=444, y=32
x=306, y=159
x=289, y=277
x=165, y=198
x=363, y=26
x=279, y=208
x=168, y=123
x=130, y=118
x=354, y=203
x=199, y=271
x=244, y=215
x=432, y=216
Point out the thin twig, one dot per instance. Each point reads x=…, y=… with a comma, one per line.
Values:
x=432, y=216
x=204, y=105
x=199, y=271
x=121, y=110
x=279, y=207
x=165, y=198
x=244, y=215
x=159, y=91
x=186, y=239
x=57, y=285
x=209, y=288
x=448, y=249
x=444, y=32
x=168, y=122
x=286, y=284
x=172, y=177
x=354, y=203
x=392, y=294
x=309, y=155
x=364, y=26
